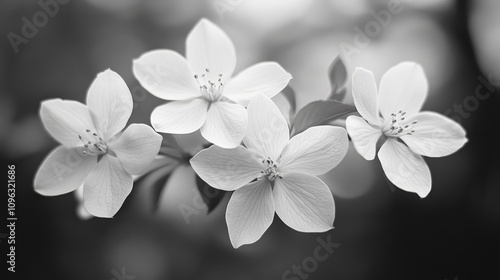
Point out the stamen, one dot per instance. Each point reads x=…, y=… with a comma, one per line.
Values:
x=396, y=127
x=271, y=170
x=93, y=144
x=210, y=90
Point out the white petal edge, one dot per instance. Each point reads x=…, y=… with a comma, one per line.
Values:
x=404, y=168
x=304, y=202
x=315, y=151
x=226, y=124
x=65, y=120
x=267, y=78
x=364, y=136
x=63, y=171
x=137, y=147
x=403, y=87
x=364, y=93
x=226, y=169
x=267, y=132
x=435, y=135
x=106, y=188
x=208, y=47
x=110, y=102
x=180, y=117
x=250, y=212
x=166, y=74
x=81, y=212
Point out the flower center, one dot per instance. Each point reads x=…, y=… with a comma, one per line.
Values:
x=210, y=90
x=270, y=170
x=93, y=144
x=397, y=126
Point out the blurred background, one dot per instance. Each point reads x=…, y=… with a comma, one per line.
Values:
x=383, y=232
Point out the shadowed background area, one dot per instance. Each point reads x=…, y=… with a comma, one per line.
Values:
x=383, y=232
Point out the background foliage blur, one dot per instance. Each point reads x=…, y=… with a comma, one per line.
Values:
x=384, y=233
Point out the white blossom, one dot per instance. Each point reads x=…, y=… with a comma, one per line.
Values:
x=393, y=116
x=274, y=173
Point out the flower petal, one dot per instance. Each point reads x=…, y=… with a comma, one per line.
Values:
x=250, y=212
x=435, y=135
x=304, y=203
x=315, y=151
x=63, y=170
x=226, y=124
x=81, y=212
x=180, y=117
x=226, y=169
x=404, y=168
x=208, y=47
x=110, y=102
x=267, y=78
x=166, y=75
x=267, y=132
x=364, y=93
x=65, y=120
x=137, y=147
x=364, y=136
x=106, y=187
x=403, y=87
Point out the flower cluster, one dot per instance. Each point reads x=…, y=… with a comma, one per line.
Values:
x=271, y=164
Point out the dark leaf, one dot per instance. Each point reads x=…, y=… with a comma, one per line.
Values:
x=170, y=141
x=289, y=93
x=211, y=196
x=338, y=79
x=319, y=113
x=156, y=180
x=338, y=95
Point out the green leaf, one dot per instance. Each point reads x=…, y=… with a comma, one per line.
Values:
x=320, y=112
x=338, y=79
x=211, y=196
